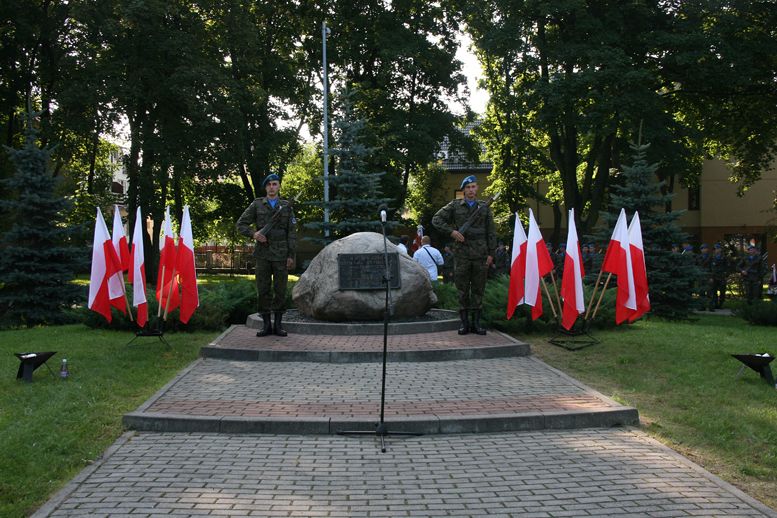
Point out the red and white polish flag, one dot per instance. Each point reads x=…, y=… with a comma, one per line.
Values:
x=105, y=263
x=639, y=268
x=137, y=271
x=538, y=265
x=617, y=260
x=116, y=282
x=419, y=235
x=167, y=283
x=187, y=271
x=515, y=294
x=572, y=281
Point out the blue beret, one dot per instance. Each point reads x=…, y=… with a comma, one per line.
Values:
x=270, y=178
x=716, y=245
x=704, y=245
x=470, y=179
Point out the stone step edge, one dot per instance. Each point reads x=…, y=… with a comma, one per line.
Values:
x=432, y=355
x=560, y=420
x=254, y=321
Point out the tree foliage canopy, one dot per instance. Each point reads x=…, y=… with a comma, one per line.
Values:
x=38, y=258
x=570, y=82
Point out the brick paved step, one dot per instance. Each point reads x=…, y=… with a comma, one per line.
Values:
x=435, y=320
x=241, y=343
x=481, y=395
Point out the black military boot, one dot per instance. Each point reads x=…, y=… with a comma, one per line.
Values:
x=266, y=329
x=464, y=329
x=278, y=328
x=475, y=327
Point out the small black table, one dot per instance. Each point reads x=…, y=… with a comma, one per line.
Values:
x=759, y=364
x=30, y=362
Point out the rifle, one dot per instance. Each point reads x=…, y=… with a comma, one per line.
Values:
x=474, y=215
x=276, y=216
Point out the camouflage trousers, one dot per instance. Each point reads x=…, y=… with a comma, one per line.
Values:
x=271, y=280
x=753, y=290
x=469, y=276
x=717, y=292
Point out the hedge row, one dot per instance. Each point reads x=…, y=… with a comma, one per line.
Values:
x=223, y=304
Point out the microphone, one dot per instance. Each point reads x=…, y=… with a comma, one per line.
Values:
x=383, y=212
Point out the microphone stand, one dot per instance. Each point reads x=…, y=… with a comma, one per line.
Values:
x=380, y=429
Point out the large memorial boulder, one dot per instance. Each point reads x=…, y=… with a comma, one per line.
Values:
x=317, y=294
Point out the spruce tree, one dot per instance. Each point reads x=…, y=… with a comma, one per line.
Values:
x=671, y=276
x=356, y=192
x=38, y=261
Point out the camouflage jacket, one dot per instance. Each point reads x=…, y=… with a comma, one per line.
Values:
x=479, y=238
x=719, y=267
x=704, y=262
x=281, y=239
x=752, y=268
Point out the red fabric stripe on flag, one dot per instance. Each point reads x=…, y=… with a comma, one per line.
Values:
x=188, y=277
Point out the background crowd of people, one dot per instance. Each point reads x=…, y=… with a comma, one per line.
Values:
x=720, y=268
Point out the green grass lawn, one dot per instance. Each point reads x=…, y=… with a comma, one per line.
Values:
x=50, y=429
x=682, y=379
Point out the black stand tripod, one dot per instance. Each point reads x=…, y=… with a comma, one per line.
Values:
x=147, y=330
x=380, y=429
x=576, y=338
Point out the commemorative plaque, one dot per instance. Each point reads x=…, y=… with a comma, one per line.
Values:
x=366, y=271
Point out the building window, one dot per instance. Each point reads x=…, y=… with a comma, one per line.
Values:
x=694, y=198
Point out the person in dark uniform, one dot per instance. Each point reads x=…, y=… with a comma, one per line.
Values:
x=473, y=250
x=559, y=258
x=704, y=262
x=752, y=272
x=719, y=268
x=502, y=258
x=270, y=222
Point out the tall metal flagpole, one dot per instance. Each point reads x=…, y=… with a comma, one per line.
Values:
x=324, y=33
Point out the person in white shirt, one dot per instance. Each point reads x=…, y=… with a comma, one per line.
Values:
x=428, y=257
x=402, y=246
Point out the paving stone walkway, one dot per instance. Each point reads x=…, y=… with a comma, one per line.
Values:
x=556, y=453
x=612, y=472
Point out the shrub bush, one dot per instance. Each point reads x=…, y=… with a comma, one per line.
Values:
x=759, y=313
x=495, y=307
x=221, y=304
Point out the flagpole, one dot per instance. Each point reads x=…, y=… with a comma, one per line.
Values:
x=161, y=293
x=129, y=308
x=593, y=294
x=604, y=288
x=550, y=300
x=169, y=294
x=555, y=288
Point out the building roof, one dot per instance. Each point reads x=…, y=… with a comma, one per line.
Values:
x=457, y=160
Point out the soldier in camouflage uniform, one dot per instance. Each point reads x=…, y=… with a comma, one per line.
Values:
x=752, y=271
x=704, y=262
x=473, y=250
x=720, y=268
x=274, y=251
